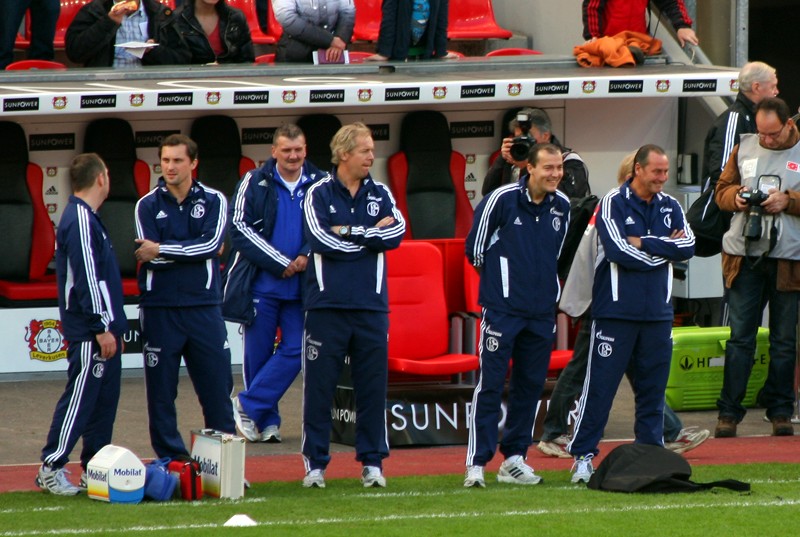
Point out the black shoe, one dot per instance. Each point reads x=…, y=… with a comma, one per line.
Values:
x=726, y=428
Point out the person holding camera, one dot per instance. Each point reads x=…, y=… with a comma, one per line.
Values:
x=533, y=126
x=761, y=183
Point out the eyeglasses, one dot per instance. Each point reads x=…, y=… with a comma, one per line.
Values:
x=771, y=135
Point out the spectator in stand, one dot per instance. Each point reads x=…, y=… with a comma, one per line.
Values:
x=413, y=29
x=214, y=32
x=90, y=306
x=314, y=25
x=514, y=244
x=43, y=15
x=267, y=233
x=101, y=25
x=610, y=17
x=641, y=231
x=505, y=170
x=555, y=435
x=180, y=226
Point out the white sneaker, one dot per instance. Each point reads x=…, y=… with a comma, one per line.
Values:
x=689, y=438
x=83, y=484
x=582, y=469
x=315, y=478
x=271, y=434
x=55, y=481
x=245, y=425
x=371, y=476
x=514, y=470
x=553, y=449
x=473, y=477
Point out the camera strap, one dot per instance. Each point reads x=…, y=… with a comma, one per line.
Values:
x=773, y=240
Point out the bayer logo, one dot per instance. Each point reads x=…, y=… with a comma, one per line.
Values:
x=48, y=340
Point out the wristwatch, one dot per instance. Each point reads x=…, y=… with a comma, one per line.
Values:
x=344, y=231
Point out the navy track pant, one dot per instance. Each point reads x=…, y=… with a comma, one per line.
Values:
x=88, y=405
x=644, y=350
x=530, y=342
x=198, y=335
x=329, y=336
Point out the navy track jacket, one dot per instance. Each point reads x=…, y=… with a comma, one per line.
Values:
x=186, y=273
x=89, y=286
x=629, y=283
x=349, y=273
x=517, y=243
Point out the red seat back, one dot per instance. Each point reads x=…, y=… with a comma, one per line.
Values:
x=24, y=65
x=418, y=320
x=258, y=37
x=368, y=20
x=427, y=179
x=474, y=19
x=512, y=52
x=69, y=8
x=27, y=229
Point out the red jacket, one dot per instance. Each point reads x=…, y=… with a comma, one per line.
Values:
x=610, y=17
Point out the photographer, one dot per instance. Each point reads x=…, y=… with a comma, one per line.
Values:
x=529, y=127
x=762, y=184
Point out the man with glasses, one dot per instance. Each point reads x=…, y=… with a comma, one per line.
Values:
x=763, y=267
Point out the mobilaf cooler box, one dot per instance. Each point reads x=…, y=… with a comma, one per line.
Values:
x=698, y=360
x=221, y=458
x=115, y=475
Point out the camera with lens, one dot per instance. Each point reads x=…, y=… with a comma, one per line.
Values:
x=521, y=145
x=754, y=198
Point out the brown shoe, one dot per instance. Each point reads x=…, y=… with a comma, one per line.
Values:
x=726, y=428
x=782, y=426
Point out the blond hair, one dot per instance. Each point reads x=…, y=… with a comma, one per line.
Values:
x=346, y=140
x=625, y=168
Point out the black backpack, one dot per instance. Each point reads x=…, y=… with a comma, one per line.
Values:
x=708, y=222
x=648, y=468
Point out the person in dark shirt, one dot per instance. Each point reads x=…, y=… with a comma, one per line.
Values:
x=214, y=32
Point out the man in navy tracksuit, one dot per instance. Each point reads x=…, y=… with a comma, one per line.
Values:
x=181, y=226
x=641, y=231
x=350, y=221
x=267, y=235
x=515, y=242
x=90, y=305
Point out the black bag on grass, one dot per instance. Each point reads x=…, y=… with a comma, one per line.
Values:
x=646, y=468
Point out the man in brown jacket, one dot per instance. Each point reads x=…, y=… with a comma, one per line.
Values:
x=761, y=184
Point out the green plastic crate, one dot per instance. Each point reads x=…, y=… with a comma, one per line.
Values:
x=698, y=359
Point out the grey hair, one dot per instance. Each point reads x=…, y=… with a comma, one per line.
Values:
x=753, y=72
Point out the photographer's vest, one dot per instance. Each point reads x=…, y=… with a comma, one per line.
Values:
x=755, y=161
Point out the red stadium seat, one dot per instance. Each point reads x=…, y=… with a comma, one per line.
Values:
x=474, y=19
x=113, y=140
x=419, y=325
x=358, y=56
x=24, y=65
x=427, y=179
x=266, y=59
x=248, y=7
x=512, y=52
x=368, y=20
x=28, y=232
x=69, y=8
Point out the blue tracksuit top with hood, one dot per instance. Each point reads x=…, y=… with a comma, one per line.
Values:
x=186, y=272
x=89, y=286
x=267, y=226
x=517, y=243
x=349, y=273
x=629, y=283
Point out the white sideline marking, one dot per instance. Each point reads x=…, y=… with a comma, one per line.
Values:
x=421, y=516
